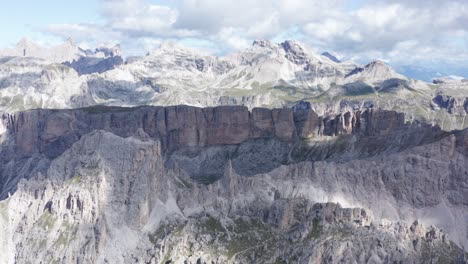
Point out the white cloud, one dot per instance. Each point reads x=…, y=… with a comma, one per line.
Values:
x=268, y=27
x=232, y=38
x=152, y=18
x=85, y=32
x=378, y=17
x=397, y=31
x=211, y=16
x=327, y=29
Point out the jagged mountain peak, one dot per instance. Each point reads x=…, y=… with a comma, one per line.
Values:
x=292, y=45
x=24, y=42
x=375, y=71
x=109, y=50
x=262, y=43
x=287, y=46
x=379, y=67
x=66, y=51
x=377, y=63
x=103, y=51
x=25, y=48
x=171, y=47
x=70, y=42
x=117, y=50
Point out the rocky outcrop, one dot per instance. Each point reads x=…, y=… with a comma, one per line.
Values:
x=377, y=71
x=51, y=132
x=262, y=43
x=451, y=104
x=295, y=52
x=88, y=65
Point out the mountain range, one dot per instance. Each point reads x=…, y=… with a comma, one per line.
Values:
x=272, y=154
x=264, y=75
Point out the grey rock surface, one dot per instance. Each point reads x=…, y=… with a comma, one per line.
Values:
x=227, y=185
x=89, y=65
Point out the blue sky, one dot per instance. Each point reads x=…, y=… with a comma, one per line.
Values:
x=429, y=33
x=28, y=18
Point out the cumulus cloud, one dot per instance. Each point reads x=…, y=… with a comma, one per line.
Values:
x=85, y=32
x=399, y=31
x=393, y=30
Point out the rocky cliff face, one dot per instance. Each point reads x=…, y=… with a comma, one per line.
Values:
x=51, y=132
x=227, y=185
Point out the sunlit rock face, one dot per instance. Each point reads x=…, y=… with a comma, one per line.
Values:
x=184, y=184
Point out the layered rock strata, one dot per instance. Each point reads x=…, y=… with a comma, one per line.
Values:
x=225, y=185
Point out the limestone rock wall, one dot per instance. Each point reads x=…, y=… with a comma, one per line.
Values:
x=52, y=131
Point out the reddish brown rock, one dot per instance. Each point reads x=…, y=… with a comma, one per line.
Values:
x=51, y=132
x=261, y=123
x=283, y=121
x=307, y=123
x=228, y=125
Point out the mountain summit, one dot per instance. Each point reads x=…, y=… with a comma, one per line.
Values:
x=64, y=52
